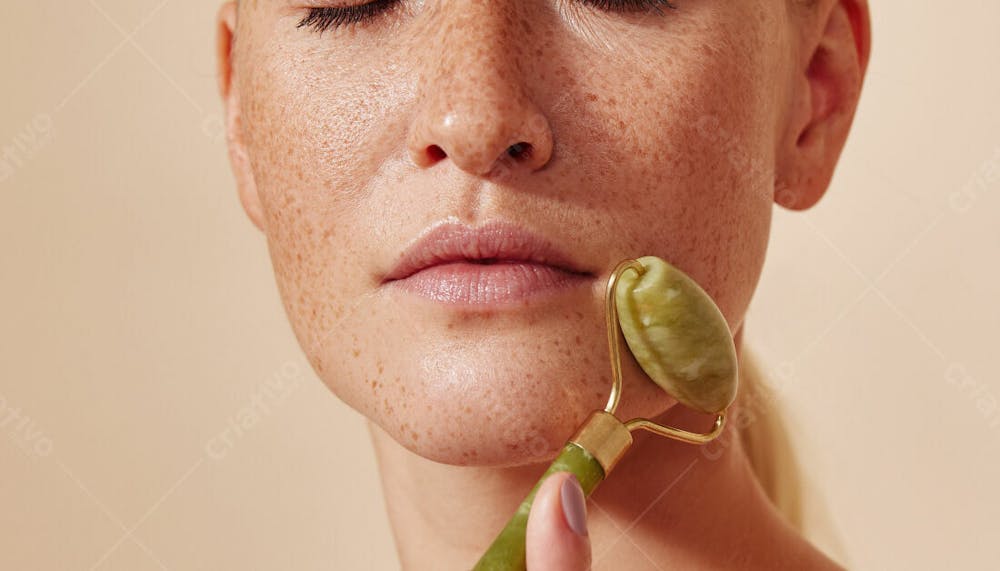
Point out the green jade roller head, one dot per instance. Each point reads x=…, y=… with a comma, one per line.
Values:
x=681, y=340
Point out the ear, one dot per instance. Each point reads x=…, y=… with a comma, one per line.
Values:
x=229, y=89
x=826, y=89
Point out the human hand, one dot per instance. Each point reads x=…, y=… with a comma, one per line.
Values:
x=556, y=535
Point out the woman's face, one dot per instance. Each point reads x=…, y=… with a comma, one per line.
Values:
x=650, y=133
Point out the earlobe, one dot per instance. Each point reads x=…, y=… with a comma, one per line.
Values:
x=828, y=88
x=230, y=93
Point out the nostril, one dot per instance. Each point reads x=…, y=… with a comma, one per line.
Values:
x=436, y=153
x=519, y=150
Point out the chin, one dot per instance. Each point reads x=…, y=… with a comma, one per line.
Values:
x=478, y=416
x=467, y=442
x=499, y=414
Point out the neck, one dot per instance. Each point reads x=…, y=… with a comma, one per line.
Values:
x=668, y=502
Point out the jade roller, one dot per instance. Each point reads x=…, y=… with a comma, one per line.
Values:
x=681, y=341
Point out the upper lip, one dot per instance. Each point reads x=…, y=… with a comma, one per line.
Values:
x=495, y=241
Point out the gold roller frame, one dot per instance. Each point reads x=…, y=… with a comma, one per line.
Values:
x=603, y=435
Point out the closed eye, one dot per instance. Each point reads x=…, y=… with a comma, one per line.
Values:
x=323, y=19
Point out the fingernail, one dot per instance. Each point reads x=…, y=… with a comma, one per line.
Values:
x=574, y=505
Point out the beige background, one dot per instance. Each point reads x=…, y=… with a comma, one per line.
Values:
x=140, y=315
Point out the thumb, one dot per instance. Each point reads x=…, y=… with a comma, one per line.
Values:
x=556, y=536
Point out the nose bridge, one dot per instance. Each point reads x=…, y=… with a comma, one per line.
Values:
x=474, y=106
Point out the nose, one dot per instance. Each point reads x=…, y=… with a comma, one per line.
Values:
x=474, y=107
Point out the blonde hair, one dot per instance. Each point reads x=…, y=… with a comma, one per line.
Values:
x=764, y=432
x=764, y=435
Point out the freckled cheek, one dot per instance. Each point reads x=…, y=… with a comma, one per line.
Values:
x=308, y=171
x=312, y=237
x=704, y=194
x=308, y=129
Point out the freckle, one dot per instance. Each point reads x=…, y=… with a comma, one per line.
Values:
x=529, y=376
x=355, y=352
x=380, y=367
x=414, y=435
x=468, y=409
x=557, y=342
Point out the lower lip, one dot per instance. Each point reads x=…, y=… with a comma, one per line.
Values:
x=466, y=283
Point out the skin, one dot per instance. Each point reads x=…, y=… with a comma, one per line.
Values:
x=670, y=135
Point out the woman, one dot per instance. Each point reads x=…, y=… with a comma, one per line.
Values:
x=445, y=186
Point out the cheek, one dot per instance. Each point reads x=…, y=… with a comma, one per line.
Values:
x=685, y=154
x=313, y=133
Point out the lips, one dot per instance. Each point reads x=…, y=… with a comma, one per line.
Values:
x=492, y=243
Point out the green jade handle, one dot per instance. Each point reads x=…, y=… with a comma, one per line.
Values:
x=589, y=455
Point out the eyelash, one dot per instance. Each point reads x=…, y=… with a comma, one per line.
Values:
x=323, y=19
